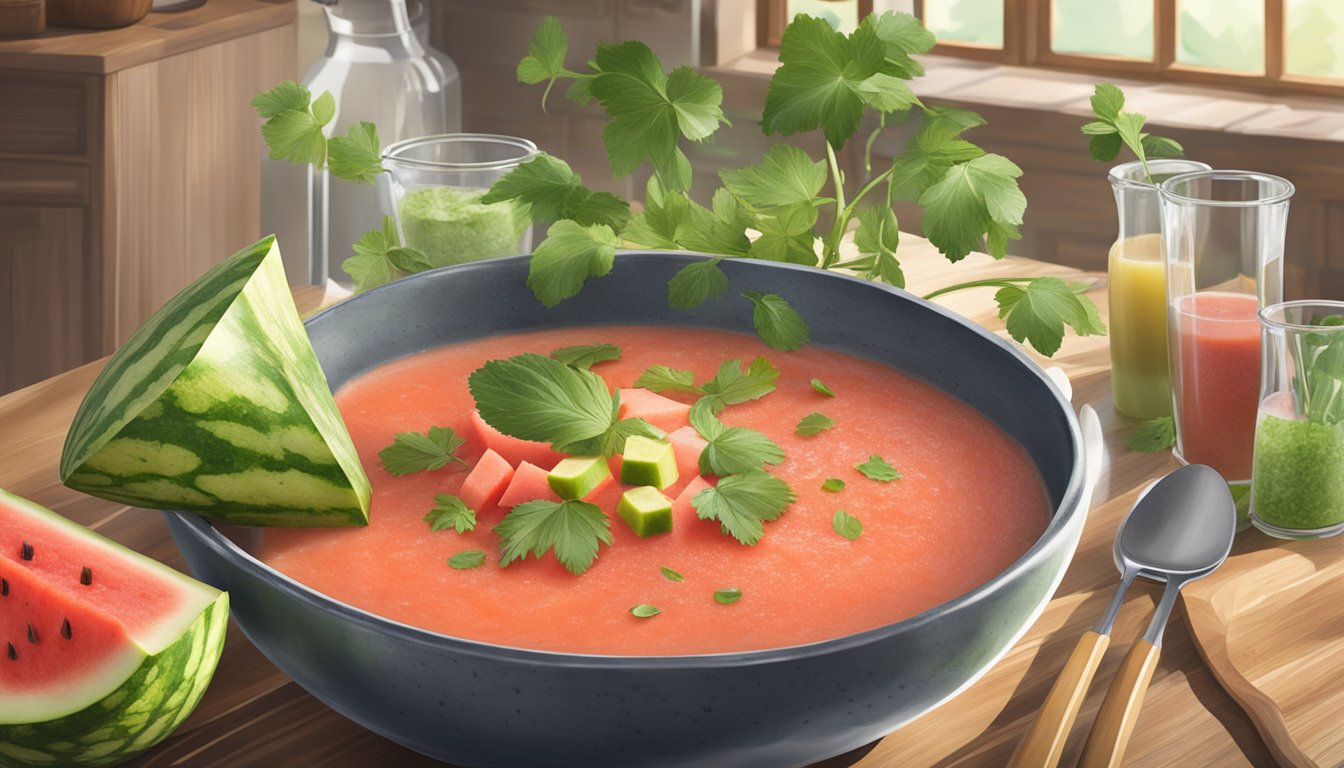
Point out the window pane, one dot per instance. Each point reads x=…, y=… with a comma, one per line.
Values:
x=965, y=21
x=1315, y=44
x=1103, y=27
x=843, y=15
x=1224, y=34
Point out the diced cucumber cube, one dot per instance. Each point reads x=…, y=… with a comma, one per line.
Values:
x=648, y=462
x=646, y=510
x=577, y=476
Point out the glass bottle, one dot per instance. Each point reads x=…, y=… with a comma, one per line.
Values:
x=379, y=71
x=1137, y=288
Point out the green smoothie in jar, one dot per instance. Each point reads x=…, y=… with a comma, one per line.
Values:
x=451, y=225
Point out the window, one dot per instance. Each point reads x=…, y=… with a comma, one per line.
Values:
x=1295, y=45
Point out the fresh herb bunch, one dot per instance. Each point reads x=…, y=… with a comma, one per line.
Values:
x=1114, y=128
x=827, y=81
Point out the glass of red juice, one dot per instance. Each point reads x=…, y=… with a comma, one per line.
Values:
x=1223, y=238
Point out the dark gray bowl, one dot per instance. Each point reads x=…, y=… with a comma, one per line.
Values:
x=477, y=704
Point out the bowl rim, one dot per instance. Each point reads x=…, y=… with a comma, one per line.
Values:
x=1069, y=508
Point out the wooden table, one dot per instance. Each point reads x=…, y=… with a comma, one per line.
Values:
x=253, y=715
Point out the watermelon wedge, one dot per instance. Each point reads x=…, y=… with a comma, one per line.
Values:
x=103, y=651
x=217, y=405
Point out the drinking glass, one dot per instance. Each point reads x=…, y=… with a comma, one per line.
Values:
x=1297, y=487
x=437, y=183
x=1222, y=233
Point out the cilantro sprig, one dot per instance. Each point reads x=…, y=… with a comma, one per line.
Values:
x=1114, y=128
x=572, y=529
x=450, y=512
x=732, y=383
x=730, y=450
x=294, y=131
x=743, y=503
x=415, y=452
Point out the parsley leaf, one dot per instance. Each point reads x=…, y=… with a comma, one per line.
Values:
x=671, y=575
x=777, y=323
x=1114, y=128
x=450, y=512
x=555, y=192
x=568, y=256
x=733, y=385
x=585, y=356
x=288, y=96
x=845, y=525
x=973, y=198
x=877, y=238
x=813, y=424
x=1154, y=435
x=821, y=388
x=665, y=221
x=533, y=397
x=694, y=284
x=817, y=83
x=645, y=611
x=833, y=485
x=612, y=441
x=786, y=235
x=356, y=156
x=727, y=595
x=1038, y=312
x=370, y=266
x=743, y=503
x=293, y=127
x=787, y=176
x=660, y=378
x=722, y=229
x=902, y=35
x=731, y=450
x=414, y=452
x=877, y=468
x=573, y=529
x=545, y=59
x=466, y=559
x=932, y=151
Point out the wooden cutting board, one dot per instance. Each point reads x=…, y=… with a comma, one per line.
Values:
x=1269, y=623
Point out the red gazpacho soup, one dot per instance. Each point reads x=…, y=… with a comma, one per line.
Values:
x=968, y=502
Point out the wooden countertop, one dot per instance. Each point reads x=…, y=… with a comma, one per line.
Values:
x=157, y=36
x=253, y=715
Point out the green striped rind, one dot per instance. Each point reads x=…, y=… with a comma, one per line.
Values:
x=218, y=405
x=152, y=702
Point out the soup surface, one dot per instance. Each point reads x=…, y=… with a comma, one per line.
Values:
x=968, y=504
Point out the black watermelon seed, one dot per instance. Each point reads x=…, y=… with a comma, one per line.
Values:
x=32, y=634
x=4, y=588
x=86, y=576
x=27, y=551
x=65, y=629
x=13, y=654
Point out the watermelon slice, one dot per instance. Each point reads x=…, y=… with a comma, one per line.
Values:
x=486, y=482
x=662, y=412
x=687, y=444
x=529, y=484
x=514, y=450
x=682, y=509
x=103, y=651
x=217, y=405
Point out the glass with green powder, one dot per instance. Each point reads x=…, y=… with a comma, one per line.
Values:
x=437, y=183
x=1297, y=483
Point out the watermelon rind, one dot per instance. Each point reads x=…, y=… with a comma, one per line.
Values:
x=217, y=405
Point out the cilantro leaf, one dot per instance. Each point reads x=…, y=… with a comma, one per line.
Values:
x=661, y=378
x=731, y=450
x=568, y=256
x=450, y=512
x=612, y=441
x=786, y=235
x=356, y=156
x=886, y=93
x=902, y=35
x=645, y=611
x=409, y=260
x=288, y=96
x=733, y=385
x=1114, y=128
x=877, y=468
x=833, y=485
x=371, y=266
x=817, y=83
x=671, y=575
x=785, y=177
x=932, y=151
x=813, y=424
x=586, y=355
x=971, y=197
x=554, y=192
x=821, y=388
x=727, y=595
x=415, y=452
x=722, y=230
x=743, y=503
x=533, y=397
x=1038, y=312
x=292, y=131
x=845, y=525
x=694, y=284
x=777, y=323
x=573, y=529
x=467, y=559
x=1154, y=435
x=545, y=59
x=877, y=238
x=665, y=221
x=1107, y=101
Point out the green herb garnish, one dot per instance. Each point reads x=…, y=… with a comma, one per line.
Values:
x=727, y=595
x=877, y=468
x=743, y=503
x=732, y=384
x=813, y=424
x=1114, y=128
x=552, y=192
x=293, y=131
x=778, y=324
x=833, y=485
x=660, y=378
x=415, y=452
x=845, y=525
x=1154, y=435
x=585, y=356
x=671, y=575
x=730, y=450
x=1319, y=383
x=574, y=529
x=471, y=558
x=821, y=388
x=450, y=512
x=379, y=258
x=644, y=611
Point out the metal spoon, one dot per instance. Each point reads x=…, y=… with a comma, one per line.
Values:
x=1178, y=530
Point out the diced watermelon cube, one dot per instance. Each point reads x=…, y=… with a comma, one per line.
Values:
x=513, y=450
x=662, y=412
x=486, y=482
x=687, y=444
x=528, y=484
x=682, y=510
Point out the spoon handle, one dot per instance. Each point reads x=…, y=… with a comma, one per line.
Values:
x=1045, y=739
x=1120, y=709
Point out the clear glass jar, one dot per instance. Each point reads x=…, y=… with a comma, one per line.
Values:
x=1137, y=285
x=436, y=186
x=1223, y=235
x=1297, y=487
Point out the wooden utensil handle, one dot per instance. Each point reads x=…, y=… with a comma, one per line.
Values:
x=1120, y=709
x=1044, y=742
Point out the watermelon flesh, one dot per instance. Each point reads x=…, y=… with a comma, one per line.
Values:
x=99, y=671
x=662, y=412
x=512, y=449
x=486, y=482
x=529, y=484
x=217, y=405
